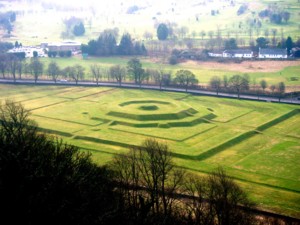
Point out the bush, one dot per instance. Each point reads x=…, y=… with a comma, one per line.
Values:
x=173, y=60
x=79, y=29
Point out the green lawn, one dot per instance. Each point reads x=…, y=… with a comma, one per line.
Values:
x=257, y=143
x=184, y=15
x=289, y=75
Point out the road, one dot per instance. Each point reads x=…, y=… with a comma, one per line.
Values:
x=153, y=87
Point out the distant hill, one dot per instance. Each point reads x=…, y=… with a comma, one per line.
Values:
x=42, y=20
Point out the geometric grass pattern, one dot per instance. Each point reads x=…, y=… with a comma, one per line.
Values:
x=258, y=143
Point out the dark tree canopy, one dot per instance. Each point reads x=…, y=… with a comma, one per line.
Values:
x=162, y=32
x=262, y=42
x=5, y=46
x=126, y=46
x=106, y=45
x=289, y=44
x=231, y=44
x=44, y=181
x=79, y=29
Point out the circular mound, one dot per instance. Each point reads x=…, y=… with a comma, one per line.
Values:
x=149, y=107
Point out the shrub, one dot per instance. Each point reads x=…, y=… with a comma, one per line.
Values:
x=173, y=60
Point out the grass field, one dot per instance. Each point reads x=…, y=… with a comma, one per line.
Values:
x=98, y=17
x=257, y=143
x=272, y=71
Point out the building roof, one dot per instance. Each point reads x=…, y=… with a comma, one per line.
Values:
x=65, y=43
x=238, y=51
x=273, y=51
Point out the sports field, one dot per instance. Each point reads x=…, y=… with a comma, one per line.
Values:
x=257, y=143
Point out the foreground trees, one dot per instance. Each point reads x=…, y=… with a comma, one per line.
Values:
x=150, y=167
x=43, y=181
x=155, y=191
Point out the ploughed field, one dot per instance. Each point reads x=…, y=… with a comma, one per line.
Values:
x=257, y=143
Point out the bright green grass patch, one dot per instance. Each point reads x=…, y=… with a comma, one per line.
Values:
x=288, y=127
x=172, y=133
x=79, y=112
x=55, y=124
x=281, y=160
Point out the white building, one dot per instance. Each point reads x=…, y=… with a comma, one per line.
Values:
x=63, y=46
x=272, y=53
x=238, y=53
x=215, y=54
x=28, y=50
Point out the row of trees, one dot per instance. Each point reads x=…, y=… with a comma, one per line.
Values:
x=14, y=66
x=241, y=83
x=106, y=45
x=155, y=190
x=43, y=180
x=275, y=14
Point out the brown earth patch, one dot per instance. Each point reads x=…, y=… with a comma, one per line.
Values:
x=246, y=66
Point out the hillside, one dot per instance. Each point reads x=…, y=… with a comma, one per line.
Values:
x=186, y=19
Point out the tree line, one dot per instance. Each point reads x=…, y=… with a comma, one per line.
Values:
x=242, y=84
x=11, y=65
x=43, y=180
x=106, y=45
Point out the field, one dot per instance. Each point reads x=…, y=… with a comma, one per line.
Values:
x=272, y=71
x=257, y=143
x=195, y=16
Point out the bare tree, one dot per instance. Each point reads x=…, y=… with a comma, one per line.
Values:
x=13, y=62
x=36, y=68
x=74, y=72
x=118, y=73
x=198, y=207
x=150, y=166
x=225, y=198
x=239, y=83
x=225, y=82
x=281, y=90
x=273, y=88
x=96, y=71
x=274, y=33
x=263, y=84
x=202, y=34
x=160, y=77
x=53, y=70
x=210, y=34
x=215, y=83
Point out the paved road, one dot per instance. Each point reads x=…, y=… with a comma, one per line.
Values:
x=154, y=87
